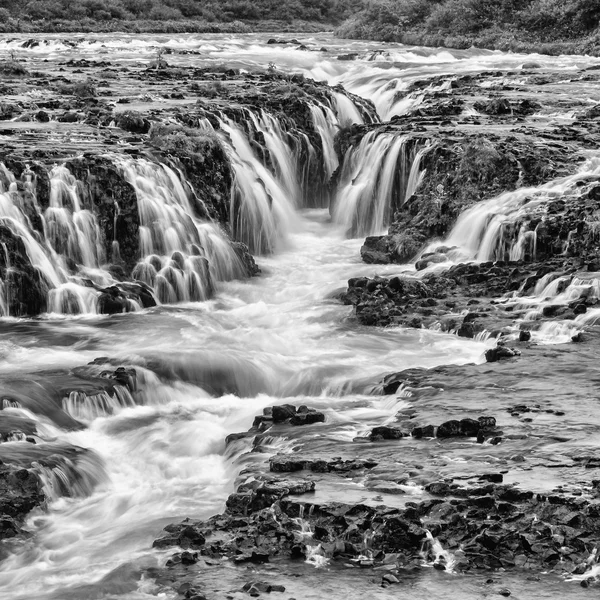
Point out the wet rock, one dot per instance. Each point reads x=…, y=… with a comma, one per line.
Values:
x=421, y=432
x=24, y=286
x=186, y=535
x=500, y=353
x=246, y=258
x=497, y=106
x=112, y=301
x=20, y=492
x=309, y=417
x=385, y=433
x=430, y=259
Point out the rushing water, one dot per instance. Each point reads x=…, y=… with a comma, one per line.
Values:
x=205, y=368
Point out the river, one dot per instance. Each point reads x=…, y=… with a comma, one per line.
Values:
x=205, y=369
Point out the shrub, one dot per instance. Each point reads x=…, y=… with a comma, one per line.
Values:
x=133, y=121
x=182, y=142
x=12, y=68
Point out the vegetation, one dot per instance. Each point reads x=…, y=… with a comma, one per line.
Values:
x=504, y=24
x=183, y=142
x=549, y=26
x=167, y=15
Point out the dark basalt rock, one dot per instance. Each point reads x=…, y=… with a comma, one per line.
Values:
x=132, y=121
x=20, y=492
x=283, y=412
x=500, y=353
x=458, y=428
x=476, y=522
x=286, y=463
x=246, y=258
x=114, y=202
x=185, y=534
x=380, y=301
x=24, y=286
x=286, y=414
x=385, y=433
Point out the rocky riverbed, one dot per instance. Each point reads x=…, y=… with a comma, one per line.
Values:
x=392, y=274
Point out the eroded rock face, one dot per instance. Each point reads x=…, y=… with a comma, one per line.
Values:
x=25, y=289
x=488, y=525
x=469, y=298
x=20, y=493
x=113, y=200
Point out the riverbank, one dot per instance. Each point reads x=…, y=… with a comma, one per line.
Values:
x=163, y=26
x=522, y=42
x=529, y=27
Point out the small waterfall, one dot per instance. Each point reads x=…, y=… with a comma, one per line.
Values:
x=283, y=152
x=416, y=175
x=326, y=124
x=181, y=254
x=70, y=475
x=71, y=231
x=346, y=110
x=315, y=555
x=498, y=229
x=262, y=211
x=435, y=554
x=86, y=408
x=373, y=175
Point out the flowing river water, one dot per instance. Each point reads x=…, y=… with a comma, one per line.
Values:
x=206, y=368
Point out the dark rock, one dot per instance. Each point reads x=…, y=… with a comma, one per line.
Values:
x=500, y=353
x=421, y=432
x=308, y=418
x=283, y=412
x=386, y=433
x=449, y=429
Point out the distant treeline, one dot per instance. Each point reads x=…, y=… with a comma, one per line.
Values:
x=551, y=26
x=522, y=21
x=218, y=11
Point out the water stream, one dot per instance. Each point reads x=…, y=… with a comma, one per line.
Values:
x=207, y=365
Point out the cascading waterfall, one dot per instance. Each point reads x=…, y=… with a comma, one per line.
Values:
x=416, y=175
x=284, y=152
x=375, y=178
x=181, y=254
x=13, y=209
x=261, y=210
x=327, y=126
x=346, y=111
x=73, y=234
x=71, y=231
x=495, y=229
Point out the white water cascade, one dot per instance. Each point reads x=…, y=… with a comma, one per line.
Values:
x=372, y=175
x=181, y=254
x=346, y=111
x=261, y=210
x=327, y=125
x=487, y=230
x=138, y=460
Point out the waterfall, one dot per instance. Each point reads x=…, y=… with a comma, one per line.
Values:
x=71, y=231
x=346, y=110
x=262, y=211
x=416, y=175
x=284, y=155
x=181, y=255
x=497, y=229
x=326, y=124
x=372, y=175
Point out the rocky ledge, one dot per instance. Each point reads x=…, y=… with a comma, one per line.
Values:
x=280, y=513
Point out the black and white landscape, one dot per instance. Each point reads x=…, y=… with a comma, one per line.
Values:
x=295, y=316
